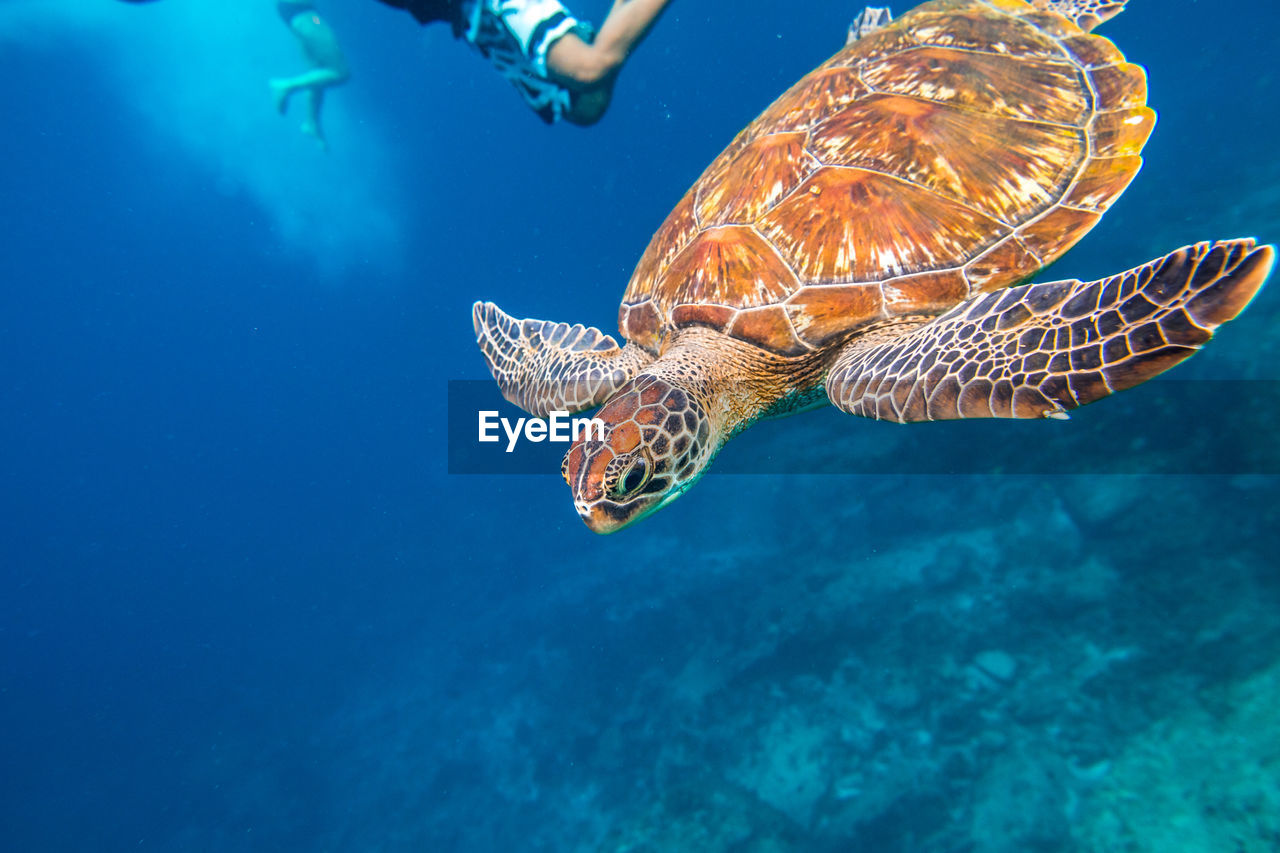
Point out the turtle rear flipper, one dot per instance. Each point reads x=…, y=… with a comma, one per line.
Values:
x=545, y=367
x=1085, y=14
x=1038, y=350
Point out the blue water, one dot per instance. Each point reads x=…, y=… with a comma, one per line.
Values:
x=243, y=605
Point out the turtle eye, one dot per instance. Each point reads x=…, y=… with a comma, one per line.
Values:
x=634, y=476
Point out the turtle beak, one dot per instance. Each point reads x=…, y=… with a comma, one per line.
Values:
x=601, y=516
x=604, y=516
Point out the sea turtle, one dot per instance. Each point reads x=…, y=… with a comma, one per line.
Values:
x=864, y=242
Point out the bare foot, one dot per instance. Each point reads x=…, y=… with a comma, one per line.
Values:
x=313, y=130
x=280, y=93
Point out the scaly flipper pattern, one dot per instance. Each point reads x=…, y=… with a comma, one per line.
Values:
x=545, y=367
x=1086, y=14
x=1037, y=350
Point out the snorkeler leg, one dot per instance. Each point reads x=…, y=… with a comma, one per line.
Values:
x=868, y=21
x=311, y=124
x=281, y=89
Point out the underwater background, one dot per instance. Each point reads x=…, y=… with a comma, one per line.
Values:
x=245, y=606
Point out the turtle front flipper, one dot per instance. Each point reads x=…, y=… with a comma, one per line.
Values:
x=1085, y=14
x=1038, y=350
x=545, y=367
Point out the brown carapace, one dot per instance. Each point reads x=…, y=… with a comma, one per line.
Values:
x=864, y=242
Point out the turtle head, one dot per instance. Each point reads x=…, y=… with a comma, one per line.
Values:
x=657, y=442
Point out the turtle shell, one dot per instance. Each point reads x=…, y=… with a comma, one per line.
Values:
x=957, y=150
